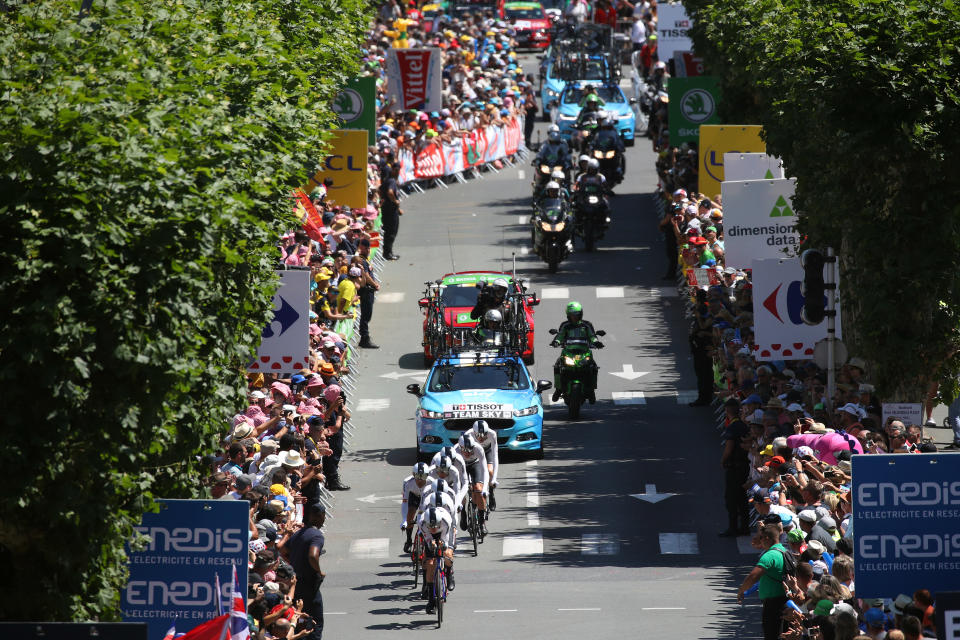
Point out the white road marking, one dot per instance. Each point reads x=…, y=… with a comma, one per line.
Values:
x=679, y=543
x=532, y=463
x=650, y=495
x=523, y=219
x=548, y=293
x=609, y=292
x=391, y=297
x=370, y=548
x=581, y=609
x=521, y=174
x=533, y=519
x=642, y=248
x=628, y=373
x=599, y=544
x=334, y=613
x=744, y=546
x=532, y=478
x=686, y=395
x=373, y=404
x=524, y=544
x=494, y=610
x=533, y=499
x=663, y=608
x=628, y=397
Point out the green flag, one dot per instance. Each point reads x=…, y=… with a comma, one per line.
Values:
x=693, y=102
x=356, y=105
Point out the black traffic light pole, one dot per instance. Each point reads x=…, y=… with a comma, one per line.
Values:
x=820, y=302
x=831, y=287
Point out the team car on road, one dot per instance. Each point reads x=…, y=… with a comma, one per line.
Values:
x=473, y=385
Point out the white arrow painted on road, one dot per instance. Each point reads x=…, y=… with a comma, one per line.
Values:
x=372, y=498
x=393, y=375
x=651, y=495
x=628, y=373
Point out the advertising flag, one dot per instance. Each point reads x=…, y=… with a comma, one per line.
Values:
x=356, y=106
x=414, y=78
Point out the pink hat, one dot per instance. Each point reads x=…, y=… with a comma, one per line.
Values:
x=357, y=225
x=242, y=419
x=370, y=213
x=282, y=388
x=314, y=329
x=331, y=393
x=315, y=381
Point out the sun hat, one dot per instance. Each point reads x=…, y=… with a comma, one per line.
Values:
x=291, y=459
x=331, y=393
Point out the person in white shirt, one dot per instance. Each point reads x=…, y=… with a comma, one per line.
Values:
x=638, y=32
x=411, y=493
x=451, y=452
x=435, y=487
x=487, y=438
x=445, y=470
x=477, y=474
x=436, y=525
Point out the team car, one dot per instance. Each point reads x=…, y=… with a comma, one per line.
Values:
x=593, y=68
x=530, y=22
x=565, y=110
x=467, y=386
x=447, y=304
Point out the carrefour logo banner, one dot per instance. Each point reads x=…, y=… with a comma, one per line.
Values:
x=906, y=523
x=189, y=544
x=758, y=220
x=780, y=333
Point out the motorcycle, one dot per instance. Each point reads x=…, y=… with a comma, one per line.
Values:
x=591, y=214
x=611, y=160
x=552, y=233
x=544, y=167
x=585, y=132
x=578, y=373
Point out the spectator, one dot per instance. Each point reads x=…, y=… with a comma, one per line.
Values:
x=769, y=572
x=303, y=553
x=390, y=211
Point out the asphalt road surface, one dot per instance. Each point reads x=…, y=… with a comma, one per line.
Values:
x=572, y=552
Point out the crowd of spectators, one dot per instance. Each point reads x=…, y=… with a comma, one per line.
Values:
x=787, y=446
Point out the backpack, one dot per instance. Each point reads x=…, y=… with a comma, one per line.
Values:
x=789, y=564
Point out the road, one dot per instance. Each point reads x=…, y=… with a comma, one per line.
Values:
x=571, y=551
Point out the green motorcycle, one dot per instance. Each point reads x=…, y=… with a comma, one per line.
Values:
x=577, y=373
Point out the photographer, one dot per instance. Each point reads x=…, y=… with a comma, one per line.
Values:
x=491, y=296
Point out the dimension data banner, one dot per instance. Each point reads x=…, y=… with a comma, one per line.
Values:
x=906, y=523
x=190, y=543
x=758, y=221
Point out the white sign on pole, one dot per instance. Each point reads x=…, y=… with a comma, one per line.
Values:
x=285, y=346
x=907, y=412
x=758, y=220
x=751, y=166
x=672, y=27
x=780, y=333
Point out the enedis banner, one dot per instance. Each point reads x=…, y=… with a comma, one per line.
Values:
x=346, y=165
x=716, y=140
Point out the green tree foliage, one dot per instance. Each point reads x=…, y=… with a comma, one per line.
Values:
x=860, y=99
x=145, y=154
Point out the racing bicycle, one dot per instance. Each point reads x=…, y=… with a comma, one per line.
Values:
x=473, y=525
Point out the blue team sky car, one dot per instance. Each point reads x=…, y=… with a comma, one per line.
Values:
x=565, y=110
x=468, y=386
x=595, y=69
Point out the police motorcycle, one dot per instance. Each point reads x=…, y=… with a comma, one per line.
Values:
x=551, y=158
x=587, y=126
x=575, y=371
x=605, y=148
x=591, y=211
x=552, y=232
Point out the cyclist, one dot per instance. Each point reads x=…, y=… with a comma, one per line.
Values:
x=575, y=330
x=411, y=493
x=476, y=461
x=487, y=438
x=435, y=487
x=451, y=452
x=436, y=527
x=444, y=470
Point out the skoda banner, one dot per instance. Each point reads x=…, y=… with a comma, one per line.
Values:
x=758, y=221
x=715, y=141
x=189, y=543
x=693, y=102
x=906, y=523
x=356, y=105
x=346, y=165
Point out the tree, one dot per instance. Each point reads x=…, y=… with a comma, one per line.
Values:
x=146, y=151
x=860, y=99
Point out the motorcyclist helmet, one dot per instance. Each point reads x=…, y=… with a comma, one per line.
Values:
x=500, y=288
x=492, y=319
x=420, y=471
x=552, y=189
x=660, y=66
x=558, y=175
x=553, y=128
x=606, y=121
x=592, y=99
x=583, y=159
x=574, y=311
x=553, y=136
x=481, y=429
x=592, y=166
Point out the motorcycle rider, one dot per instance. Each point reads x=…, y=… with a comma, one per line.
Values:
x=607, y=138
x=587, y=118
x=560, y=178
x=659, y=76
x=592, y=177
x=582, y=163
x=575, y=330
x=555, y=151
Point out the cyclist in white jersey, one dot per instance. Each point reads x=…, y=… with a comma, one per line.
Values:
x=411, y=494
x=435, y=485
x=477, y=473
x=435, y=525
x=451, y=452
x=444, y=469
x=487, y=438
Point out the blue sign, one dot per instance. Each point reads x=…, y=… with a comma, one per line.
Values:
x=190, y=543
x=906, y=523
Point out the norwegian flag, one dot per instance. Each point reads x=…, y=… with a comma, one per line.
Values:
x=239, y=627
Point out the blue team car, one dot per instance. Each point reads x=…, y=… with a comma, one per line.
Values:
x=593, y=70
x=565, y=110
x=468, y=386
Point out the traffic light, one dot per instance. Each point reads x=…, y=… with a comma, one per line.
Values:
x=814, y=287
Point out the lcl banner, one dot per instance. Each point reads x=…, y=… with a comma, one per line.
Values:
x=346, y=165
x=414, y=78
x=715, y=141
x=189, y=543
